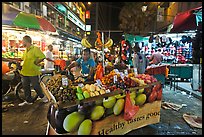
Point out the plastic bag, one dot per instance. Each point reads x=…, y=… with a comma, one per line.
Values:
x=130, y=109
x=99, y=72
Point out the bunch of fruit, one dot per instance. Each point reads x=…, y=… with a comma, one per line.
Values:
x=82, y=122
x=107, y=79
x=89, y=90
x=56, y=82
x=129, y=82
x=147, y=78
x=85, y=43
x=60, y=92
x=64, y=95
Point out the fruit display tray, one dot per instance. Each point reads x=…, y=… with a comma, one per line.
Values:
x=52, y=99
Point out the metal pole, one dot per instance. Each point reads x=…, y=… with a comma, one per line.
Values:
x=97, y=16
x=103, y=52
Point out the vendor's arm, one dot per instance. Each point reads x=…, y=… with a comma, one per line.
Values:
x=73, y=64
x=50, y=60
x=49, y=56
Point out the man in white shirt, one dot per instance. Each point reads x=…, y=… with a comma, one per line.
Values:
x=49, y=61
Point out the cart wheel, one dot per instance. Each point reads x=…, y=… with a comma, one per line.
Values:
x=20, y=93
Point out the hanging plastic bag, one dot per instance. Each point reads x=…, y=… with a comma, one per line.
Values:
x=99, y=72
x=130, y=109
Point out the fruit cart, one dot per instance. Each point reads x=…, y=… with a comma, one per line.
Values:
x=105, y=113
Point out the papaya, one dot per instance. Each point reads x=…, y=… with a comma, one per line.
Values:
x=80, y=96
x=72, y=121
x=97, y=113
x=85, y=127
x=119, y=106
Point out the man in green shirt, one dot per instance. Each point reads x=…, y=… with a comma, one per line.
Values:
x=31, y=70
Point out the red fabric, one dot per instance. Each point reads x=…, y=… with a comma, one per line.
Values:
x=156, y=70
x=45, y=24
x=61, y=63
x=5, y=68
x=185, y=21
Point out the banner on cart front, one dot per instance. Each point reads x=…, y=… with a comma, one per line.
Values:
x=116, y=125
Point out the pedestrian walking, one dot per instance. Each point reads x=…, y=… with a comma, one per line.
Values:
x=30, y=71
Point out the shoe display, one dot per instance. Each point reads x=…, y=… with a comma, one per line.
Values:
x=24, y=103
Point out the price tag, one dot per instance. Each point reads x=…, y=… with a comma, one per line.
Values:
x=81, y=85
x=99, y=83
x=108, y=91
x=65, y=81
x=135, y=71
x=122, y=75
x=116, y=71
x=126, y=72
x=115, y=78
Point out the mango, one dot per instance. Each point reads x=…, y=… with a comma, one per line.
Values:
x=119, y=96
x=72, y=121
x=141, y=90
x=110, y=102
x=118, y=107
x=133, y=94
x=79, y=90
x=132, y=100
x=80, y=96
x=85, y=127
x=86, y=94
x=97, y=112
x=140, y=99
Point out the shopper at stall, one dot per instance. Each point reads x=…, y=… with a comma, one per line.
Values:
x=30, y=71
x=49, y=61
x=139, y=60
x=86, y=63
x=156, y=58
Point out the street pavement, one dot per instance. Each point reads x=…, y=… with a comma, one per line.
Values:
x=32, y=120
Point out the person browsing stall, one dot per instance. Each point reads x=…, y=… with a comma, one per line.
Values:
x=156, y=58
x=86, y=63
x=139, y=60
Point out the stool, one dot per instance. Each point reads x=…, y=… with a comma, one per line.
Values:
x=173, y=78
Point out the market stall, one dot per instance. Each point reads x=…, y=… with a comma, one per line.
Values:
x=114, y=105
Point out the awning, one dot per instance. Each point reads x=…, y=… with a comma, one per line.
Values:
x=187, y=20
x=133, y=38
x=8, y=14
x=33, y=21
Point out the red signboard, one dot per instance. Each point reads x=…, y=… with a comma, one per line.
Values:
x=87, y=14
